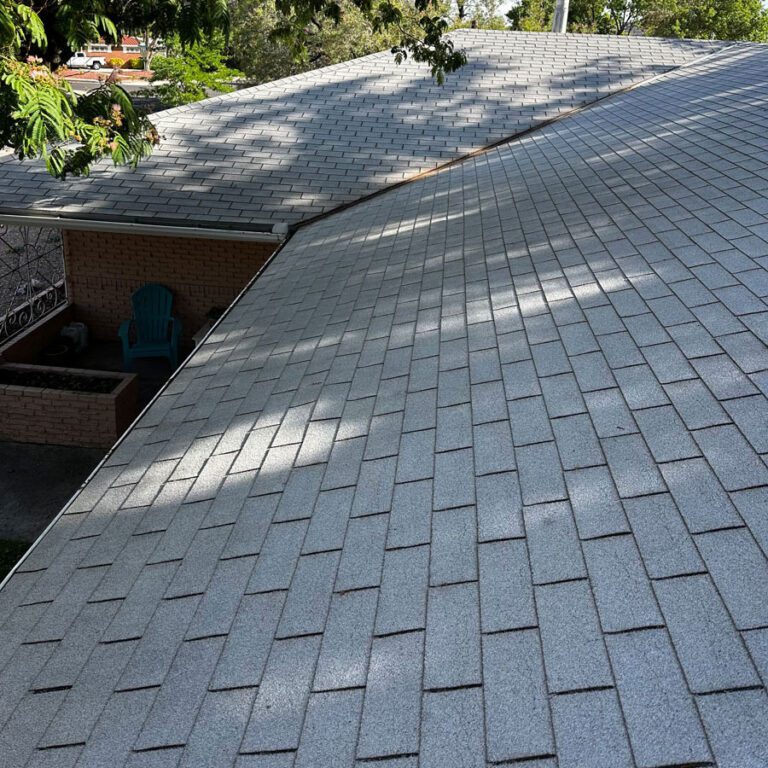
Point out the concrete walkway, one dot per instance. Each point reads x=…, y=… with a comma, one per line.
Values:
x=35, y=483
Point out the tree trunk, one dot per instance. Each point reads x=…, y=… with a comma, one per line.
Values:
x=560, y=20
x=148, y=50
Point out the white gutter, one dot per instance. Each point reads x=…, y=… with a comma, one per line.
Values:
x=276, y=234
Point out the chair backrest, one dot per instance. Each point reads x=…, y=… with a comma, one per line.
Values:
x=152, y=312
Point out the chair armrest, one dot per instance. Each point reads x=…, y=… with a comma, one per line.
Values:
x=125, y=330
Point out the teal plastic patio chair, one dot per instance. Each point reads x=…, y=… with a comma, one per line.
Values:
x=152, y=331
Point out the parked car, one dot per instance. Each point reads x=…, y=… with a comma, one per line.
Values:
x=81, y=60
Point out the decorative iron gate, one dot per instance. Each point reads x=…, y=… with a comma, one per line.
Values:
x=31, y=276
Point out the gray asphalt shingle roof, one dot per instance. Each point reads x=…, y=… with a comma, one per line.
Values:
x=298, y=147
x=474, y=474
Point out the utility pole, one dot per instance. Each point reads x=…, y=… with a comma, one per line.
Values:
x=560, y=21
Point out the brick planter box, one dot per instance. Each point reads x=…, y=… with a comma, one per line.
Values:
x=26, y=346
x=30, y=414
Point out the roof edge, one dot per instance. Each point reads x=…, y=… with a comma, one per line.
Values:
x=258, y=232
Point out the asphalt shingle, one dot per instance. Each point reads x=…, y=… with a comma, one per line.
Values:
x=329, y=735
x=506, y=590
x=632, y=466
x=278, y=712
x=452, y=653
x=553, y=543
x=623, y=595
x=733, y=459
x=309, y=597
x=249, y=641
x=452, y=730
x=357, y=141
x=699, y=496
x=740, y=572
x=362, y=557
x=574, y=650
x=710, y=650
x=177, y=702
x=665, y=434
x=454, y=479
x=403, y=596
x=518, y=720
x=662, y=720
x=278, y=557
x=665, y=543
x=410, y=518
x=736, y=725
x=392, y=708
x=590, y=730
x=577, y=442
x=454, y=546
x=88, y=696
x=116, y=731
x=154, y=654
x=345, y=651
x=499, y=507
x=541, y=476
x=596, y=505
x=222, y=721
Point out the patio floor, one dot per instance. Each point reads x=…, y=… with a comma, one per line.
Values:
x=28, y=505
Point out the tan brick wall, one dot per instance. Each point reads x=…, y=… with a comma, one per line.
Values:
x=104, y=269
x=59, y=417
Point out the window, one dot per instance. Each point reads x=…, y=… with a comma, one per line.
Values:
x=100, y=47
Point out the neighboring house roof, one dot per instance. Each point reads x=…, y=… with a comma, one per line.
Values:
x=473, y=473
x=290, y=150
x=124, y=40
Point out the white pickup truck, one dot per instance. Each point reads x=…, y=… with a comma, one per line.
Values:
x=81, y=60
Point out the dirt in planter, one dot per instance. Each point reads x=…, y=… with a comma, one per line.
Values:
x=55, y=380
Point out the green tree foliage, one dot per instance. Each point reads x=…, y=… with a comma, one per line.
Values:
x=478, y=14
x=532, y=15
x=187, y=22
x=40, y=117
x=624, y=16
x=590, y=17
x=198, y=73
x=709, y=19
x=256, y=47
x=19, y=24
x=68, y=26
x=264, y=47
x=585, y=16
x=274, y=38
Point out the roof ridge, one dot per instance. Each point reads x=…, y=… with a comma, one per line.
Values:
x=522, y=134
